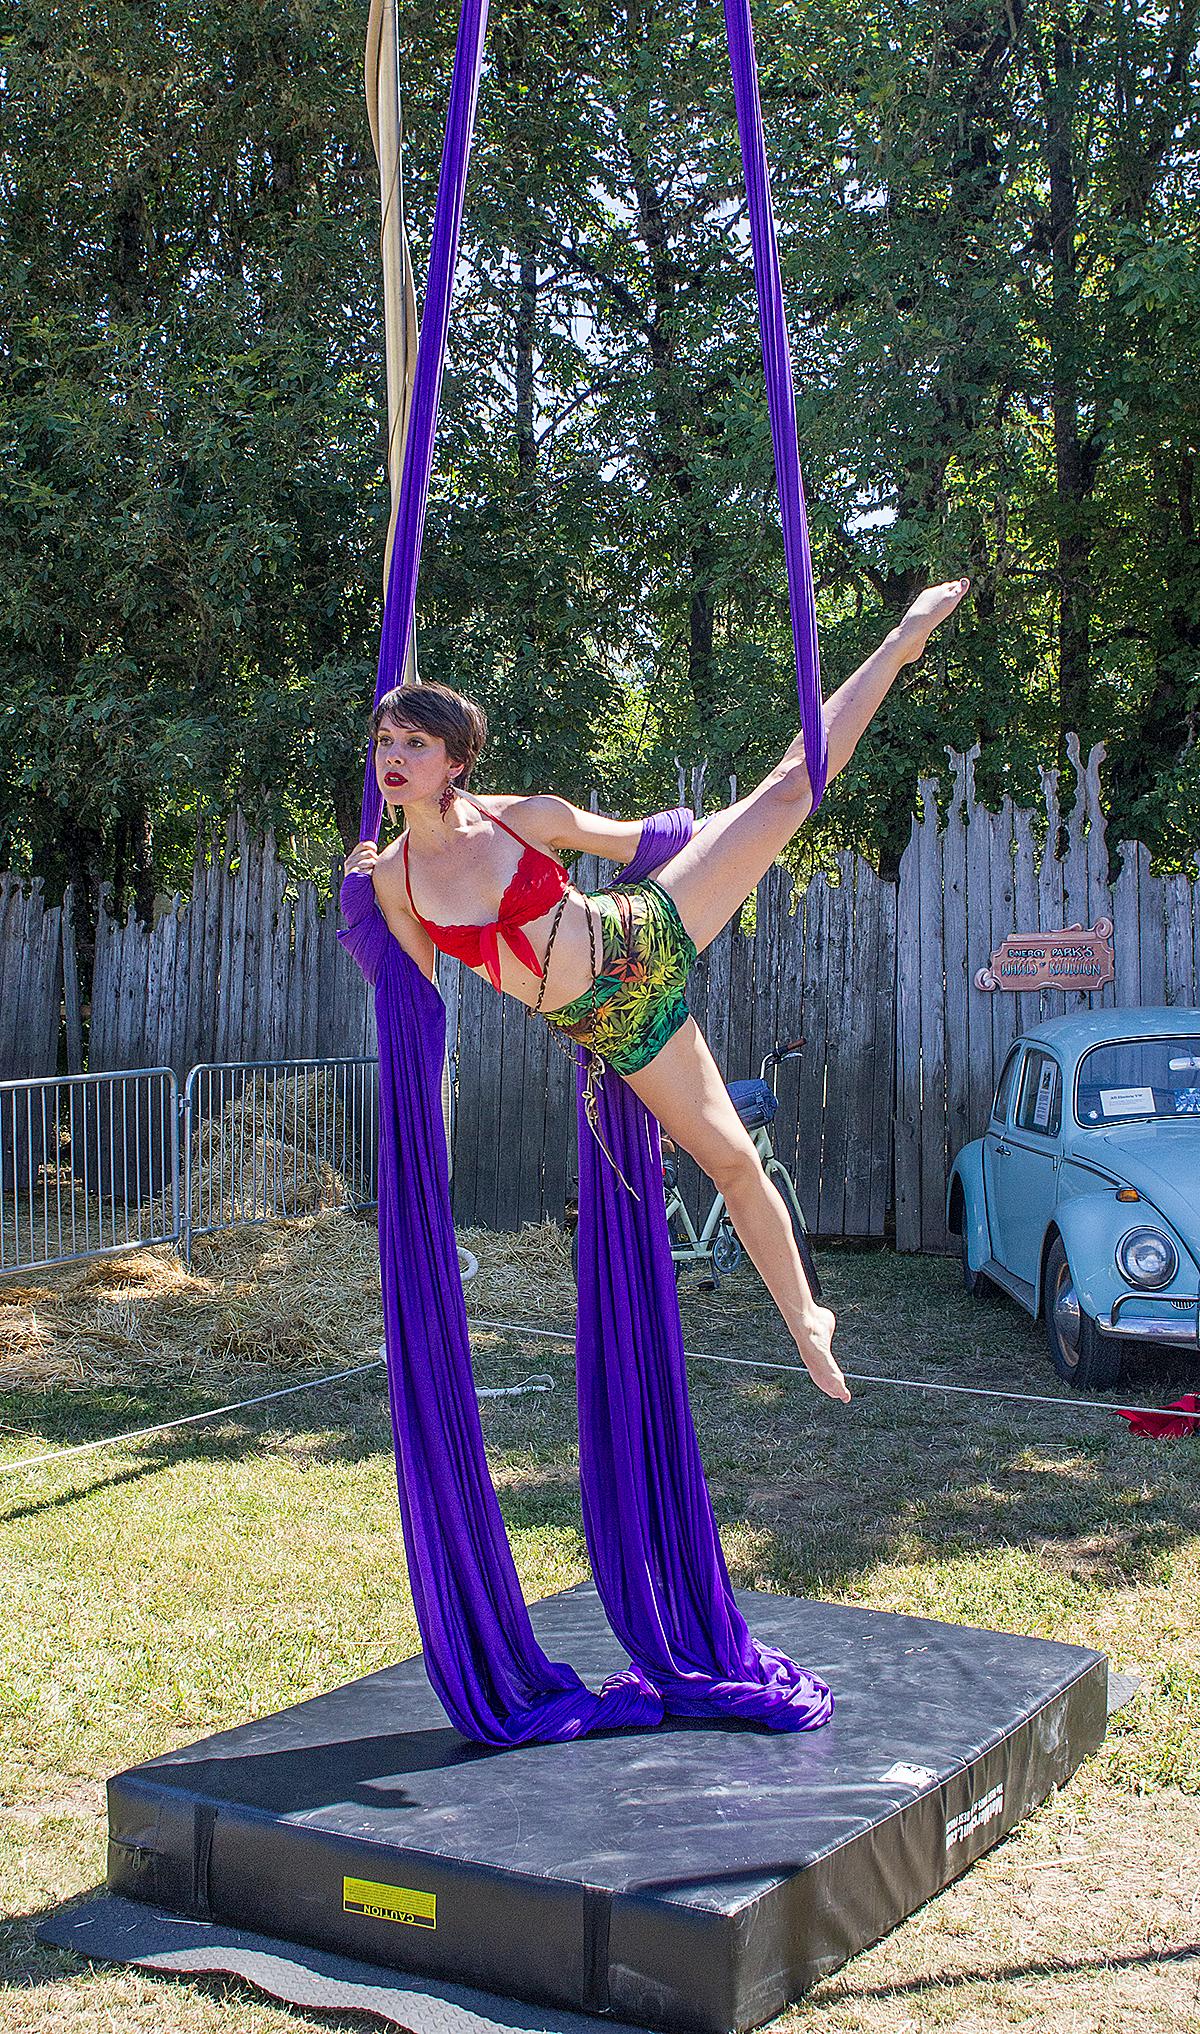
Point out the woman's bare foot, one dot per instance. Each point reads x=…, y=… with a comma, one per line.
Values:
x=935, y=605
x=814, y=1341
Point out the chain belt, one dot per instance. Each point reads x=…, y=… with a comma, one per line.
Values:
x=595, y=1065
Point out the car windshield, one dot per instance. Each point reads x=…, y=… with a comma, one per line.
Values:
x=1138, y=1079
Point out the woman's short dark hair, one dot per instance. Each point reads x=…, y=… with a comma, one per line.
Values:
x=437, y=710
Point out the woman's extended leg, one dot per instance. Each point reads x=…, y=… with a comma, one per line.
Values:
x=682, y=1086
x=727, y=858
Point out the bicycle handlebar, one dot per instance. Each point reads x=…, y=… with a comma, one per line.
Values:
x=781, y=1052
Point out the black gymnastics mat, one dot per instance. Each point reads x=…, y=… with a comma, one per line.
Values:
x=689, y=1877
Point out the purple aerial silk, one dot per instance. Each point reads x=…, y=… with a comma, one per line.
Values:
x=655, y=1550
x=417, y=466
x=781, y=394
x=492, y=1677
x=650, y=1528
x=400, y=604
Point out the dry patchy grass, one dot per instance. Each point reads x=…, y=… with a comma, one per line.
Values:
x=170, y=1588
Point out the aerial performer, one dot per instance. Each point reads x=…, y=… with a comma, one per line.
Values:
x=481, y=878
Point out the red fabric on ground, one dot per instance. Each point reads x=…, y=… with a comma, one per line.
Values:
x=1182, y=1416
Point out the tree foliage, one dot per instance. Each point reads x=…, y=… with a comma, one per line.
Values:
x=988, y=225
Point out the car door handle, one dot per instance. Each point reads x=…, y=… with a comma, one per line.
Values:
x=1004, y=1150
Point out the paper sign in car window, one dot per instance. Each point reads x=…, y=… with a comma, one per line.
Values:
x=1045, y=1095
x=1127, y=1101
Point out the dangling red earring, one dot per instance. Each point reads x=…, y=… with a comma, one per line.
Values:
x=447, y=798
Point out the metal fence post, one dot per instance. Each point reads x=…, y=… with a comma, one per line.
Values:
x=183, y=1157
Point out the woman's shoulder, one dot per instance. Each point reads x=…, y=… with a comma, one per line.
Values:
x=501, y=804
x=532, y=814
x=388, y=872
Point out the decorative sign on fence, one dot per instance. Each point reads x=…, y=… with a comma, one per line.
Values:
x=1075, y=958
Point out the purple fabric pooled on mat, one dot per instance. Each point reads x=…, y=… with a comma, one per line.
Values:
x=655, y=1549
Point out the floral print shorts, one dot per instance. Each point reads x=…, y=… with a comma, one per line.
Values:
x=639, y=988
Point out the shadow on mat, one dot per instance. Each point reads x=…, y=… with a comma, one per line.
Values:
x=368, y=1770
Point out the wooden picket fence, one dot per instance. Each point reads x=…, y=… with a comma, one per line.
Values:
x=901, y=1049
x=247, y=968
x=34, y=937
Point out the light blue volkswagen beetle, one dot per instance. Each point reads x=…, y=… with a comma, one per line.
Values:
x=1082, y=1198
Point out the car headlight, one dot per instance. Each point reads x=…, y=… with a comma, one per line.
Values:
x=1147, y=1258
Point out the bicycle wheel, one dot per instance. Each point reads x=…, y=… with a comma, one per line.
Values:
x=726, y=1249
x=778, y=1172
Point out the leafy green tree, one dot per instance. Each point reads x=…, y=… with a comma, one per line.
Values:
x=987, y=225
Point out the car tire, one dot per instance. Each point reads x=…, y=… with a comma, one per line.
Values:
x=1083, y=1356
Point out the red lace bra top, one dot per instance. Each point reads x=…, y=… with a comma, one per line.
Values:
x=537, y=884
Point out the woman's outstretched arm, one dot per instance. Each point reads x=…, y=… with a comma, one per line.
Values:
x=559, y=824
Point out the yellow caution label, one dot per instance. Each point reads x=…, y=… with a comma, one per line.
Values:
x=389, y=1903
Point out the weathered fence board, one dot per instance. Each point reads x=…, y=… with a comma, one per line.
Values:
x=31, y=979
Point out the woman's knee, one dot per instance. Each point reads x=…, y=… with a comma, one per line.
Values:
x=735, y=1168
x=788, y=788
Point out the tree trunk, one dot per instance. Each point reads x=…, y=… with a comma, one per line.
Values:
x=1074, y=469
x=525, y=327
x=144, y=886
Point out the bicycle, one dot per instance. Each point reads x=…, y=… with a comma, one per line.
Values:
x=716, y=1244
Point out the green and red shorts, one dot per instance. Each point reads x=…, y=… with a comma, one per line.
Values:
x=638, y=999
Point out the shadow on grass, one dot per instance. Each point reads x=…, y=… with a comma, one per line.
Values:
x=829, y=1493
x=1111, y=1519
x=830, y=1993
x=353, y=1427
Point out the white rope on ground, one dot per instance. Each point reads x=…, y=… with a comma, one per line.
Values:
x=538, y=1383
x=186, y=1420
x=469, y=1270
x=859, y=1376
x=541, y=1382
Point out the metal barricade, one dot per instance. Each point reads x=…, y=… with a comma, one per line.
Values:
x=89, y=1165
x=268, y=1138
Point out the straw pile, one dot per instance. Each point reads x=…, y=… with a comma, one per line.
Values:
x=286, y=1294
x=277, y=1297
x=300, y=1295
x=265, y=1297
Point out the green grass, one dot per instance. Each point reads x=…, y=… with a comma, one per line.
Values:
x=162, y=1590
